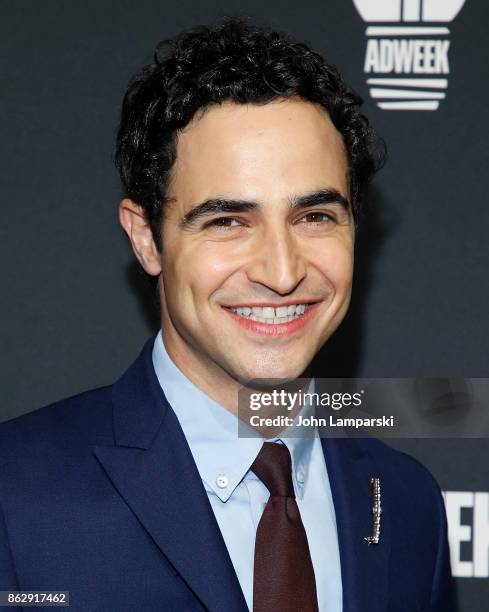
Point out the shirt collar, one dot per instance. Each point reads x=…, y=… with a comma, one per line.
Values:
x=222, y=458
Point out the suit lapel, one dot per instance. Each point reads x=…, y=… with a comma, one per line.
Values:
x=364, y=567
x=152, y=468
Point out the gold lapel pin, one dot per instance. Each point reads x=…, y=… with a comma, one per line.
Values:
x=376, y=511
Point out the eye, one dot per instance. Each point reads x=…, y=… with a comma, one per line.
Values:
x=317, y=218
x=223, y=223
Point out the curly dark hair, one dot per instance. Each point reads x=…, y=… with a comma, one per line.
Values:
x=232, y=61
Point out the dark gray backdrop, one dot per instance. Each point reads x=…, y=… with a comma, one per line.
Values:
x=75, y=309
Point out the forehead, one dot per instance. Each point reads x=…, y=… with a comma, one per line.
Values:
x=278, y=148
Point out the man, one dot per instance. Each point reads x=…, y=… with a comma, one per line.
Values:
x=244, y=160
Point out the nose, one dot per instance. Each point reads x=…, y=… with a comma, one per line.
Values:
x=277, y=261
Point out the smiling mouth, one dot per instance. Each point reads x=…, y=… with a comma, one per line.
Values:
x=271, y=315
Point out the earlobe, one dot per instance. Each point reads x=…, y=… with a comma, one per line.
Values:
x=133, y=219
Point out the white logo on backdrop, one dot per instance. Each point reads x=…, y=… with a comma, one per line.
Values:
x=468, y=532
x=407, y=63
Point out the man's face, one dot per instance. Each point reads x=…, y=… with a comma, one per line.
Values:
x=257, y=222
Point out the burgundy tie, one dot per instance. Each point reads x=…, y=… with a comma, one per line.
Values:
x=283, y=577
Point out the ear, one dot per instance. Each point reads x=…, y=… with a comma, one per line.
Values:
x=133, y=219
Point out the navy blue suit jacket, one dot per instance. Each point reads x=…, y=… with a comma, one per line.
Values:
x=100, y=496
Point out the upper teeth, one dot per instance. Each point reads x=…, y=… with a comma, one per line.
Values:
x=269, y=313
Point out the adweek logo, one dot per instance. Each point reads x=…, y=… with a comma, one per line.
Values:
x=407, y=62
x=468, y=532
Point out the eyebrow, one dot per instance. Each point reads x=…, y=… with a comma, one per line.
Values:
x=326, y=195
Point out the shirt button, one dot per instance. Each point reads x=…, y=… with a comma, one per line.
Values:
x=222, y=481
x=301, y=477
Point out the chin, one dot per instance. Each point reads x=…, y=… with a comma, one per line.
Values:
x=281, y=371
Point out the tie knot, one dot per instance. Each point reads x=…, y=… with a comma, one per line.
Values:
x=273, y=467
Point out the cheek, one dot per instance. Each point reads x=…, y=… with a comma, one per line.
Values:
x=337, y=265
x=197, y=273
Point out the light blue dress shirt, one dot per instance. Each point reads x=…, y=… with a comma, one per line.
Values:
x=238, y=497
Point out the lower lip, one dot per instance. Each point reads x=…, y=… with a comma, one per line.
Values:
x=275, y=329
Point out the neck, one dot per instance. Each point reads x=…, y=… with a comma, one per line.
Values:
x=208, y=376
x=204, y=373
